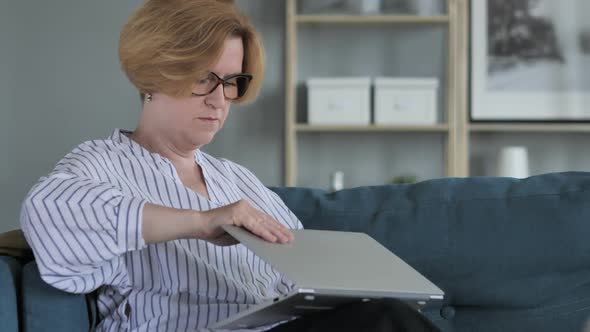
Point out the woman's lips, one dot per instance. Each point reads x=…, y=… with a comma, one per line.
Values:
x=208, y=119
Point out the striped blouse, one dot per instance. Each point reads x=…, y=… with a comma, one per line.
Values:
x=83, y=222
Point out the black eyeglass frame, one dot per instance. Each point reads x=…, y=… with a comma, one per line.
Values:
x=223, y=81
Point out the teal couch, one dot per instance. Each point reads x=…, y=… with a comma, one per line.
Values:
x=511, y=255
x=10, y=275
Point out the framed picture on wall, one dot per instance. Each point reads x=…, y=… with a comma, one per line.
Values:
x=530, y=60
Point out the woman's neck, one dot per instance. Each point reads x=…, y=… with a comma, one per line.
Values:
x=157, y=143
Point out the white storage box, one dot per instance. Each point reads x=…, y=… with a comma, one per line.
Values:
x=406, y=101
x=339, y=101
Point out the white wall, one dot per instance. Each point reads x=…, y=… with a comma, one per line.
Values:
x=60, y=84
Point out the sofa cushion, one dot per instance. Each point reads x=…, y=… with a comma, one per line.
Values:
x=10, y=270
x=502, y=249
x=45, y=308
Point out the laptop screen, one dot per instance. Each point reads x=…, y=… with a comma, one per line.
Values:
x=340, y=263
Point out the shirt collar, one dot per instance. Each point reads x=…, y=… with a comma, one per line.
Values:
x=121, y=136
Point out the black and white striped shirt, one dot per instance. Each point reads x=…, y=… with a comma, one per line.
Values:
x=83, y=222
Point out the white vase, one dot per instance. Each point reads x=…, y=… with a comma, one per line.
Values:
x=336, y=181
x=513, y=161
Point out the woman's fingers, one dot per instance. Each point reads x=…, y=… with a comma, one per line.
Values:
x=281, y=232
x=243, y=214
x=268, y=228
x=265, y=227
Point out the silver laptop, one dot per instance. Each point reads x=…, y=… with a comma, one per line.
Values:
x=329, y=269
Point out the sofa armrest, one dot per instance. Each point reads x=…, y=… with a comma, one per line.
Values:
x=10, y=271
x=45, y=308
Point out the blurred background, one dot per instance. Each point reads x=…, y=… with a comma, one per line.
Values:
x=60, y=84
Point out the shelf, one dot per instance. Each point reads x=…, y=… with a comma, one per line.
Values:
x=375, y=19
x=531, y=127
x=440, y=128
x=455, y=137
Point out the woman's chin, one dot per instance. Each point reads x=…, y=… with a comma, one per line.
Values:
x=201, y=138
x=203, y=132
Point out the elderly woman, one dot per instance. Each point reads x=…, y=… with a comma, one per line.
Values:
x=137, y=216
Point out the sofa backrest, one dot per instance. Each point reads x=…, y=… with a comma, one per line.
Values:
x=47, y=309
x=10, y=274
x=508, y=251
x=511, y=255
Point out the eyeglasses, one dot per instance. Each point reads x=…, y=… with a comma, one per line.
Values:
x=234, y=86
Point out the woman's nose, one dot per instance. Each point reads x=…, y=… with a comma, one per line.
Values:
x=217, y=97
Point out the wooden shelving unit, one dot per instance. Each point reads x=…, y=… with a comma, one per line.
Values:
x=372, y=19
x=455, y=129
x=530, y=127
x=442, y=128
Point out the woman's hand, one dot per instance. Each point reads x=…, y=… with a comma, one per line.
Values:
x=162, y=224
x=240, y=214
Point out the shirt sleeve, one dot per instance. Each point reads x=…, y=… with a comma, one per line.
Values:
x=263, y=198
x=79, y=229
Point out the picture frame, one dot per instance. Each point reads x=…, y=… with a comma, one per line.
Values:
x=530, y=61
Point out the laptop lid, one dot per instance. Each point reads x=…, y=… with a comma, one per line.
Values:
x=340, y=263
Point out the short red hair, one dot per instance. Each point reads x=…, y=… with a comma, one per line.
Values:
x=168, y=44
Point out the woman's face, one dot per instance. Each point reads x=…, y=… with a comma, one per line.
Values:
x=193, y=122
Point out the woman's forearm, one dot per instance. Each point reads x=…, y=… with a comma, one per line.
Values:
x=162, y=224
